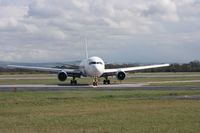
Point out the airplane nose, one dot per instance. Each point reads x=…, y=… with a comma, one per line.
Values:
x=97, y=70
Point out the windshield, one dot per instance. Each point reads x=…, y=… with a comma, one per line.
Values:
x=95, y=63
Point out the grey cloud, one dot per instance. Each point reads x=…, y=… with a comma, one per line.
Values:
x=140, y=29
x=162, y=10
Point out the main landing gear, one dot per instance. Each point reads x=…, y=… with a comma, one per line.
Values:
x=106, y=81
x=73, y=81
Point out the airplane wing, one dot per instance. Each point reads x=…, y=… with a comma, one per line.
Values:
x=48, y=69
x=107, y=71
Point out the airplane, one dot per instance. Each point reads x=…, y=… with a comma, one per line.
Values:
x=90, y=67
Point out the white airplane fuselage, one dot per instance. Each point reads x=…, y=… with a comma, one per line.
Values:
x=93, y=67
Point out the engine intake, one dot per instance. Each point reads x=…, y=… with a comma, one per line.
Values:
x=62, y=76
x=121, y=75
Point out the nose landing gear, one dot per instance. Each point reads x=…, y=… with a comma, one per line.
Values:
x=95, y=81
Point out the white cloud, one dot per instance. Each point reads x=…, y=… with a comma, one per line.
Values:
x=10, y=16
x=44, y=28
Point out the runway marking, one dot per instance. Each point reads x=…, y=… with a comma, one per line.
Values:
x=120, y=85
x=70, y=86
x=114, y=87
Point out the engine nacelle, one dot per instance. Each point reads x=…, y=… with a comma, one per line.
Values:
x=62, y=76
x=121, y=75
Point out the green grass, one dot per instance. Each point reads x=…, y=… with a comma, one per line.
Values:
x=29, y=81
x=99, y=112
x=157, y=79
x=54, y=79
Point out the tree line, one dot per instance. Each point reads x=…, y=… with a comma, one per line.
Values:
x=193, y=66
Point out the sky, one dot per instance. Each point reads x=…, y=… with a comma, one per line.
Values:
x=142, y=31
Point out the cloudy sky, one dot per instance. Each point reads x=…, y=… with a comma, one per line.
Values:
x=118, y=31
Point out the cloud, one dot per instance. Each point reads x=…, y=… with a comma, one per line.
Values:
x=10, y=16
x=50, y=30
x=162, y=10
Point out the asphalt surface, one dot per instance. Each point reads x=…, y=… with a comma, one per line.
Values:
x=86, y=87
x=113, y=87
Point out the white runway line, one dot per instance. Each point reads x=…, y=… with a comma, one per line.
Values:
x=70, y=86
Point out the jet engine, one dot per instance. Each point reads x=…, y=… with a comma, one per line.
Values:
x=121, y=75
x=62, y=75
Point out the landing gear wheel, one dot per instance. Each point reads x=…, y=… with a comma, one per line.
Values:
x=106, y=81
x=73, y=82
x=95, y=81
x=94, y=84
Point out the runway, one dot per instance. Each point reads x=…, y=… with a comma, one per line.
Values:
x=85, y=87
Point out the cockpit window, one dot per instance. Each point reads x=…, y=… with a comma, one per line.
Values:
x=92, y=63
x=95, y=63
x=99, y=63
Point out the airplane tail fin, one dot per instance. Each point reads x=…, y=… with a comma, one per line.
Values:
x=86, y=48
